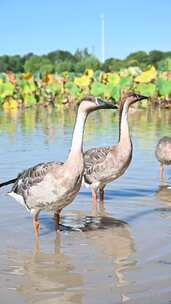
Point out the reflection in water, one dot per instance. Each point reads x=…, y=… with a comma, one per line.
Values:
x=164, y=195
x=47, y=277
x=57, y=277
x=95, y=264
x=49, y=120
x=112, y=238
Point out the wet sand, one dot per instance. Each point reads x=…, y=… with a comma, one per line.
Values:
x=121, y=255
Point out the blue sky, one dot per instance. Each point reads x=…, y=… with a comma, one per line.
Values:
x=43, y=26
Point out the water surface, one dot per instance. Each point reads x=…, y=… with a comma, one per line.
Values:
x=121, y=256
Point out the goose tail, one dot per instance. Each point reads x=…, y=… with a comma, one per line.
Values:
x=11, y=181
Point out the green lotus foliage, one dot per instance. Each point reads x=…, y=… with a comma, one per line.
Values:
x=26, y=87
x=146, y=89
x=97, y=89
x=27, y=90
x=113, y=78
x=6, y=89
x=126, y=82
x=108, y=91
x=72, y=89
x=164, y=65
x=115, y=93
x=53, y=88
x=29, y=100
x=164, y=87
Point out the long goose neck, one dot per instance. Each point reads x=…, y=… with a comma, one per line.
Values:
x=124, y=135
x=78, y=133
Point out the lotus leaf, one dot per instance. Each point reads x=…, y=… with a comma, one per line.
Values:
x=146, y=89
x=26, y=86
x=53, y=88
x=164, y=87
x=82, y=81
x=147, y=76
x=72, y=89
x=97, y=89
x=29, y=100
x=6, y=89
x=113, y=78
x=89, y=73
x=111, y=92
x=125, y=82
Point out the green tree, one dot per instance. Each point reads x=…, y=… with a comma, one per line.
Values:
x=4, y=63
x=139, y=57
x=164, y=65
x=81, y=54
x=38, y=64
x=15, y=64
x=154, y=57
x=89, y=62
x=59, y=56
x=62, y=66
x=112, y=64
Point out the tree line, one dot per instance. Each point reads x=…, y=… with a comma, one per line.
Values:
x=60, y=61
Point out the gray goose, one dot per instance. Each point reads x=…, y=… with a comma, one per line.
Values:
x=105, y=164
x=52, y=186
x=163, y=153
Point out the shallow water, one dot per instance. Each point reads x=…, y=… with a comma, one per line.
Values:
x=121, y=256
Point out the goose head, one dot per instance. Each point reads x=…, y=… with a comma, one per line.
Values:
x=91, y=103
x=131, y=98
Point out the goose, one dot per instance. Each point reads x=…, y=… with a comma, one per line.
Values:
x=163, y=153
x=104, y=164
x=51, y=186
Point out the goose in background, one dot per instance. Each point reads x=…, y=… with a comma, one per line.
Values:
x=105, y=164
x=163, y=154
x=51, y=186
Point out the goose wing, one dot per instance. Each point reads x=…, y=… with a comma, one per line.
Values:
x=32, y=176
x=92, y=159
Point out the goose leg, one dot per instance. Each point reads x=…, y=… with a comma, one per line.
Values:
x=161, y=171
x=37, y=248
x=101, y=197
x=94, y=199
x=57, y=220
x=36, y=224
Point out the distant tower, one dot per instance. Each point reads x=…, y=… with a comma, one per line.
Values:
x=102, y=38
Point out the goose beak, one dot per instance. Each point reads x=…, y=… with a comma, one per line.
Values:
x=141, y=97
x=103, y=104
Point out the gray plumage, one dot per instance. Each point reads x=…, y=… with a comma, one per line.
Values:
x=104, y=164
x=52, y=186
x=30, y=178
x=163, y=153
x=163, y=150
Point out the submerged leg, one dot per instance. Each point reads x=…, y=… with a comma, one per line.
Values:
x=161, y=172
x=57, y=219
x=101, y=191
x=94, y=201
x=36, y=224
x=94, y=198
